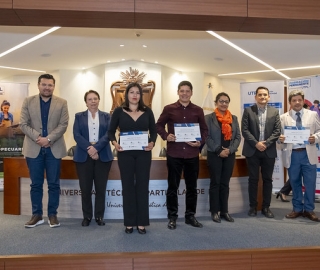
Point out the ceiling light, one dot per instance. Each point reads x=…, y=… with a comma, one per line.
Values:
x=156, y=62
x=246, y=53
x=144, y=46
x=121, y=45
x=30, y=40
x=142, y=59
x=123, y=59
x=23, y=69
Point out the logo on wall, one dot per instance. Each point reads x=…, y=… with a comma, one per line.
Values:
x=118, y=88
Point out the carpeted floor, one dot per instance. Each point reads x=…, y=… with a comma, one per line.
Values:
x=246, y=232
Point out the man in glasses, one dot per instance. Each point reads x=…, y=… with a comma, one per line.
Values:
x=44, y=120
x=260, y=127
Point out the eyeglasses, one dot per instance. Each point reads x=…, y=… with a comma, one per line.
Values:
x=224, y=101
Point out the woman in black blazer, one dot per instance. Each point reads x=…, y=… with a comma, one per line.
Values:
x=222, y=143
x=93, y=156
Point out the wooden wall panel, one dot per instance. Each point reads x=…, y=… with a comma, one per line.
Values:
x=294, y=259
x=6, y=3
x=285, y=9
x=192, y=7
x=281, y=26
x=187, y=22
x=77, y=5
x=76, y=18
x=9, y=17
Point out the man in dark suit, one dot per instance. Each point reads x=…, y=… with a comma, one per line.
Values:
x=44, y=120
x=260, y=127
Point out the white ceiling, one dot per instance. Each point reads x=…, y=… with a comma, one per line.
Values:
x=186, y=51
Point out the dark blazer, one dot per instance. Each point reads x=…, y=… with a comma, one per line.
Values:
x=213, y=140
x=251, y=133
x=81, y=136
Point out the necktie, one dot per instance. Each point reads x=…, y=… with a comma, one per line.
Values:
x=298, y=122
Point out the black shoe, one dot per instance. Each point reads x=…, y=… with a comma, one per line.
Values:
x=267, y=212
x=227, y=217
x=100, y=221
x=193, y=222
x=172, y=224
x=128, y=230
x=281, y=197
x=86, y=222
x=252, y=212
x=141, y=231
x=215, y=217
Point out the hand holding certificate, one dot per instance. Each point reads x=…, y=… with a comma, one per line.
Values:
x=295, y=134
x=134, y=140
x=187, y=132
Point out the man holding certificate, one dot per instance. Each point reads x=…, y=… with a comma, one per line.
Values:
x=186, y=132
x=300, y=131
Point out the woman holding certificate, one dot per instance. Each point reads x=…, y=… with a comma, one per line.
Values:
x=222, y=143
x=134, y=120
x=93, y=156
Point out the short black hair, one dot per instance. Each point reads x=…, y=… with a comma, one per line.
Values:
x=263, y=88
x=46, y=76
x=221, y=95
x=185, y=83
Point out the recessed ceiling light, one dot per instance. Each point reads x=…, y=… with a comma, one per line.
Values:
x=142, y=59
x=108, y=61
x=144, y=46
x=83, y=68
x=156, y=62
x=246, y=53
x=121, y=45
x=24, y=69
x=123, y=59
x=30, y=40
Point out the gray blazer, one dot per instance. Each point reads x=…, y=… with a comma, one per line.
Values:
x=213, y=140
x=31, y=126
x=309, y=119
x=251, y=133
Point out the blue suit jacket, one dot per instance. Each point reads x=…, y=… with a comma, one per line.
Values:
x=81, y=136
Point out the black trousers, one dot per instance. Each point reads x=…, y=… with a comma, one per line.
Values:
x=254, y=163
x=190, y=168
x=220, y=170
x=89, y=172
x=286, y=188
x=134, y=168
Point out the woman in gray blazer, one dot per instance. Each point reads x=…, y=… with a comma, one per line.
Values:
x=222, y=143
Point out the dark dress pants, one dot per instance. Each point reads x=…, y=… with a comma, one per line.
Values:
x=286, y=189
x=254, y=163
x=190, y=168
x=220, y=173
x=134, y=168
x=89, y=172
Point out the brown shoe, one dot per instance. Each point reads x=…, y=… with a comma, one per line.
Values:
x=53, y=221
x=310, y=215
x=34, y=221
x=294, y=214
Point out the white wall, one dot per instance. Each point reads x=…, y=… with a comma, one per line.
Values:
x=72, y=84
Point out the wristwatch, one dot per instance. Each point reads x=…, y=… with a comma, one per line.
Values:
x=49, y=140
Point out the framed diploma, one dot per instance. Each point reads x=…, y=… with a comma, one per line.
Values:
x=295, y=134
x=134, y=140
x=187, y=132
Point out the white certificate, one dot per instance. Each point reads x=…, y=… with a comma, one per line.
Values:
x=187, y=132
x=134, y=140
x=296, y=135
